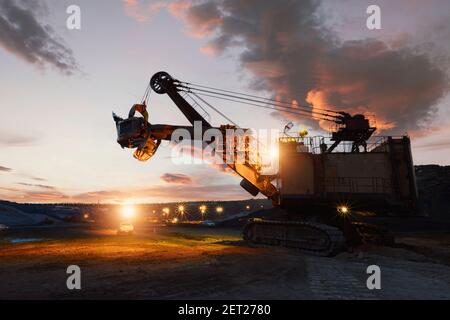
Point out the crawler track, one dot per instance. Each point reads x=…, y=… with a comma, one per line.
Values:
x=314, y=238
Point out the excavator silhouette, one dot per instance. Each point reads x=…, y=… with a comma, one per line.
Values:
x=322, y=181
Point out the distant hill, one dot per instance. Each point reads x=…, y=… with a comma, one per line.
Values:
x=12, y=213
x=433, y=182
x=11, y=216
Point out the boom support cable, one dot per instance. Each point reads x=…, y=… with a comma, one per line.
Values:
x=233, y=94
x=147, y=94
x=256, y=139
x=215, y=109
x=312, y=114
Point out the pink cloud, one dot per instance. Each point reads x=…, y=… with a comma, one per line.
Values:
x=5, y=169
x=142, y=11
x=176, y=178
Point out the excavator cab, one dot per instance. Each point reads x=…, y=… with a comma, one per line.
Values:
x=133, y=133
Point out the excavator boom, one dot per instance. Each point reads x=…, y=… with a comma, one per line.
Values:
x=135, y=132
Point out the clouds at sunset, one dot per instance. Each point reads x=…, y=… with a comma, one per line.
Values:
x=290, y=52
x=167, y=193
x=11, y=139
x=23, y=34
x=176, y=178
x=5, y=169
x=155, y=193
x=175, y=186
x=142, y=11
x=41, y=186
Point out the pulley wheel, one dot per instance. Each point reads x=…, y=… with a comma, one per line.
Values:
x=157, y=82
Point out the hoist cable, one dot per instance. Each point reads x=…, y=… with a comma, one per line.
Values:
x=146, y=94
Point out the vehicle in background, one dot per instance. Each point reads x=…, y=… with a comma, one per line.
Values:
x=125, y=229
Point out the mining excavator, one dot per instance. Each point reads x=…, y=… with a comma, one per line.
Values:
x=322, y=182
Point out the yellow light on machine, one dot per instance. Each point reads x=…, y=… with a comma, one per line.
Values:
x=303, y=133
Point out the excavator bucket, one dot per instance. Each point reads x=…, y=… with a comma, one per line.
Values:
x=146, y=152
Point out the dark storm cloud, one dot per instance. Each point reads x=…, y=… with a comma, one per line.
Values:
x=291, y=53
x=5, y=169
x=23, y=34
x=176, y=178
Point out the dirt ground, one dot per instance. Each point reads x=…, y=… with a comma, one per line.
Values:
x=208, y=263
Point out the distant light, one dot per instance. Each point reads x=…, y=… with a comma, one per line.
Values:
x=202, y=209
x=86, y=216
x=175, y=220
x=247, y=207
x=166, y=211
x=219, y=209
x=128, y=211
x=343, y=210
x=181, y=209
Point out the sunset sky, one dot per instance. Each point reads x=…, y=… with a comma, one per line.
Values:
x=58, y=87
